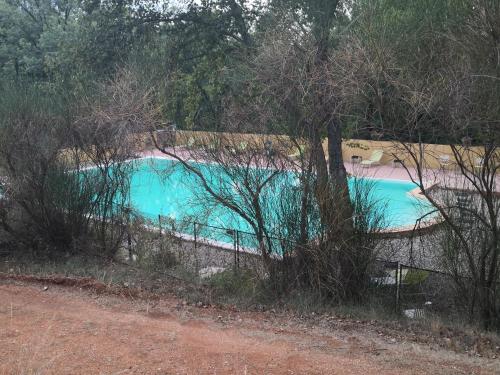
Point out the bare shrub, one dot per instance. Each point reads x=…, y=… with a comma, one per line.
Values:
x=454, y=100
x=67, y=175
x=243, y=172
x=52, y=204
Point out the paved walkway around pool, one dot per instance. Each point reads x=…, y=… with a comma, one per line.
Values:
x=385, y=172
x=449, y=178
x=432, y=177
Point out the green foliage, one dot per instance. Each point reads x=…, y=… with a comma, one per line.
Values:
x=63, y=40
x=153, y=253
x=52, y=200
x=415, y=277
x=69, y=43
x=31, y=126
x=241, y=284
x=156, y=260
x=422, y=54
x=196, y=96
x=194, y=55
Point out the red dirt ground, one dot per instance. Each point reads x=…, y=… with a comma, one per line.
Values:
x=68, y=330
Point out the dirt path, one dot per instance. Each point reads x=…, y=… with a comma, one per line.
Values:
x=69, y=331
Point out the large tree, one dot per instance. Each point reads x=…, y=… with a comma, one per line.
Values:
x=316, y=26
x=439, y=95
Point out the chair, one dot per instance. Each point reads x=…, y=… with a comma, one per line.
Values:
x=190, y=143
x=397, y=163
x=268, y=148
x=479, y=164
x=240, y=148
x=444, y=161
x=214, y=145
x=298, y=153
x=374, y=159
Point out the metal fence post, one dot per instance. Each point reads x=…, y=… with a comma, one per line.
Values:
x=195, y=236
x=234, y=233
x=196, y=255
x=238, y=249
x=161, y=235
x=398, y=283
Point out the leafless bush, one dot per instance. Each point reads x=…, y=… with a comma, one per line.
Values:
x=67, y=179
x=451, y=101
x=468, y=204
x=237, y=174
x=106, y=137
x=50, y=200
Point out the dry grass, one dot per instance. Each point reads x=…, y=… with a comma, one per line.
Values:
x=246, y=293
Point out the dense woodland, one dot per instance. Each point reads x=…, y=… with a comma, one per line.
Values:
x=200, y=55
x=83, y=75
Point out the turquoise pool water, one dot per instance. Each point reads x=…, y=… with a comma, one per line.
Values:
x=163, y=187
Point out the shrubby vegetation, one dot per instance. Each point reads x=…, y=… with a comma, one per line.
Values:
x=79, y=79
x=52, y=201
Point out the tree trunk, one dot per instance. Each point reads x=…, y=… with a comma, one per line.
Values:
x=336, y=167
x=338, y=176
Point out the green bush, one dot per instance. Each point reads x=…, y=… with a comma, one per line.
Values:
x=241, y=284
x=414, y=277
x=155, y=258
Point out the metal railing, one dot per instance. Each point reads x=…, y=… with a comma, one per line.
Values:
x=405, y=286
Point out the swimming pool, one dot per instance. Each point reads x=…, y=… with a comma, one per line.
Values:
x=163, y=187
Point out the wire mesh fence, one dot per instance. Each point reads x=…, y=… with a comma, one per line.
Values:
x=417, y=292
x=208, y=249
